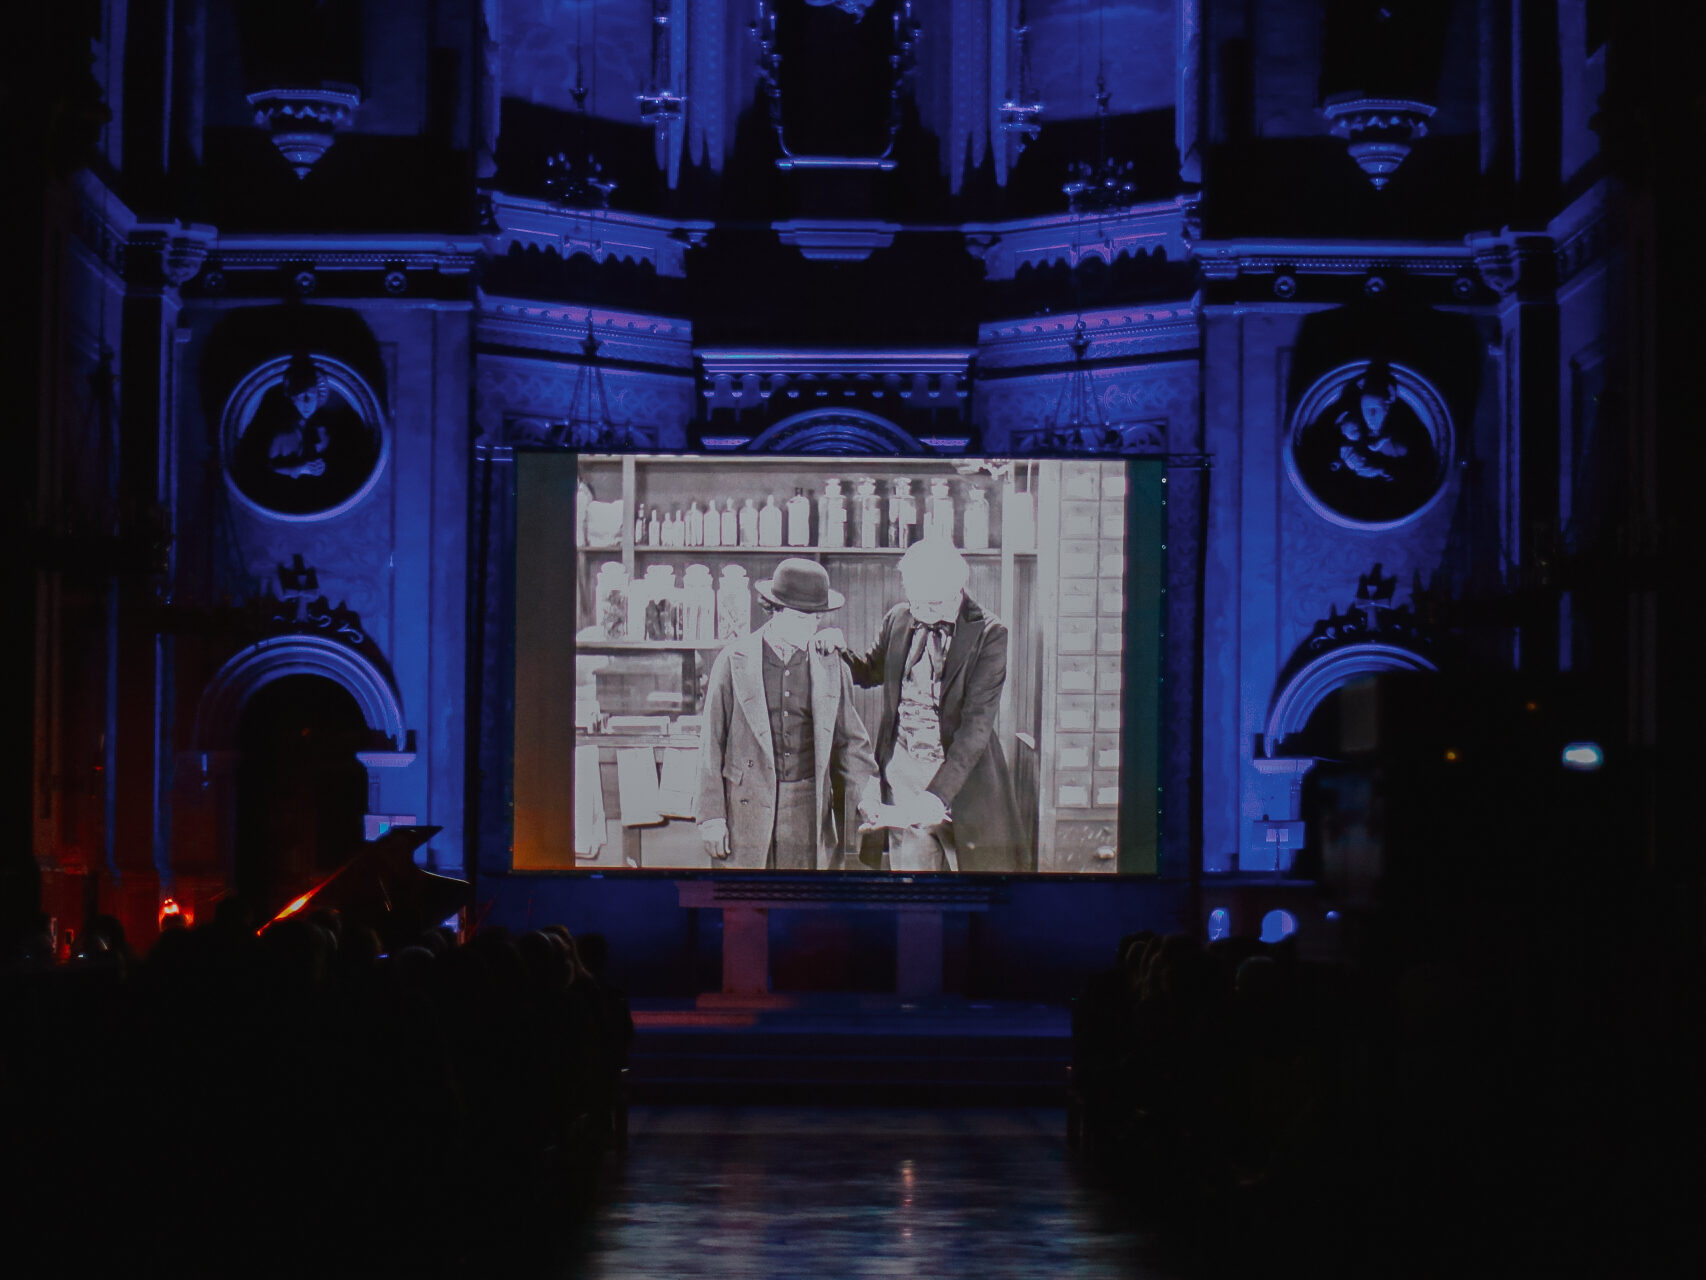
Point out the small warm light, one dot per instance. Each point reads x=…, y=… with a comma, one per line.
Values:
x=1451, y=755
x=1583, y=756
x=1531, y=706
x=172, y=909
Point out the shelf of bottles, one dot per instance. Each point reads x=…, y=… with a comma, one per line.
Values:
x=696, y=535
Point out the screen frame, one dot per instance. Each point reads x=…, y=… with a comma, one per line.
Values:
x=521, y=525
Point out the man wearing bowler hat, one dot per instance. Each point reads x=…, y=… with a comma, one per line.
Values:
x=783, y=749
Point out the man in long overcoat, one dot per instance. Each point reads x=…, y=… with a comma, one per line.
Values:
x=941, y=661
x=783, y=752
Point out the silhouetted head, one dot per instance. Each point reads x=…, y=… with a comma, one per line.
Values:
x=328, y=919
x=1257, y=978
x=594, y=951
x=232, y=915
x=359, y=949
x=296, y=951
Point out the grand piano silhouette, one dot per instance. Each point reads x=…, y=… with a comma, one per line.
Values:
x=383, y=888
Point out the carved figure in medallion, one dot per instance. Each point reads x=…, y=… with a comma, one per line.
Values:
x=298, y=448
x=303, y=437
x=1370, y=447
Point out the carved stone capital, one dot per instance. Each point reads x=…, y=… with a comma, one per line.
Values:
x=1513, y=263
x=167, y=255
x=1379, y=131
x=302, y=122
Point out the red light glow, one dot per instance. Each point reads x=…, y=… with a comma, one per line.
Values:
x=296, y=904
x=171, y=908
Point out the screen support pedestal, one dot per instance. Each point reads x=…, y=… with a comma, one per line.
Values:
x=918, y=953
x=745, y=904
x=746, y=951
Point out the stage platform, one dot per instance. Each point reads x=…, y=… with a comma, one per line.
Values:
x=855, y=1049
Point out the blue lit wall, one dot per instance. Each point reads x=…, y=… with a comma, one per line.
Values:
x=431, y=249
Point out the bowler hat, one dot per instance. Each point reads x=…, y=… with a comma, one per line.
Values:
x=800, y=584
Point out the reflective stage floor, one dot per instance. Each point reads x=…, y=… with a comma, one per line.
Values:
x=843, y=1192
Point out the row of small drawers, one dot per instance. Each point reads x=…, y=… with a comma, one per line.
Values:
x=1082, y=712
x=1079, y=634
x=1084, y=596
x=1092, y=519
x=1087, y=788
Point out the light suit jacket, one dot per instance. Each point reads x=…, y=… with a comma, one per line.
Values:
x=737, y=756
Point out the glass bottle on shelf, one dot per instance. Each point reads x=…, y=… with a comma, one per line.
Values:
x=657, y=589
x=583, y=505
x=728, y=536
x=748, y=524
x=698, y=606
x=832, y=515
x=977, y=520
x=640, y=524
x=611, y=593
x=869, y=509
x=799, y=519
x=695, y=532
x=939, y=511
x=903, y=513
x=674, y=609
x=654, y=530
x=770, y=523
x=734, y=603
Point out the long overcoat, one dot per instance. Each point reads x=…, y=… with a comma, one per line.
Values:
x=737, y=754
x=973, y=780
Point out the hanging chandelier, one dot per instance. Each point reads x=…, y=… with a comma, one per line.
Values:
x=590, y=425
x=580, y=184
x=1108, y=185
x=1076, y=425
x=660, y=105
x=1020, y=111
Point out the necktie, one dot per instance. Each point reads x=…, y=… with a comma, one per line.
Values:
x=931, y=638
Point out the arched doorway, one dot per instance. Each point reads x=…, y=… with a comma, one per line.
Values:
x=1297, y=701
x=301, y=791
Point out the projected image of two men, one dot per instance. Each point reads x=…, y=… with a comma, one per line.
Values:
x=910, y=667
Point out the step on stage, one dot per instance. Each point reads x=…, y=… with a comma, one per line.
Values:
x=848, y=1048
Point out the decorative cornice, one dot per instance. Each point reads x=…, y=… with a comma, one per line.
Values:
x=1228, y=259
x=557, y=328
x=1113, y=333
x=447, y=255
x=832, y=240
x=598, y=233
x=1582, y=233
x=743, y=378
x=1004, y=247
x=101, y=220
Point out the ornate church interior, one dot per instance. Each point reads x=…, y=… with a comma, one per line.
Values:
x=1064, y=620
